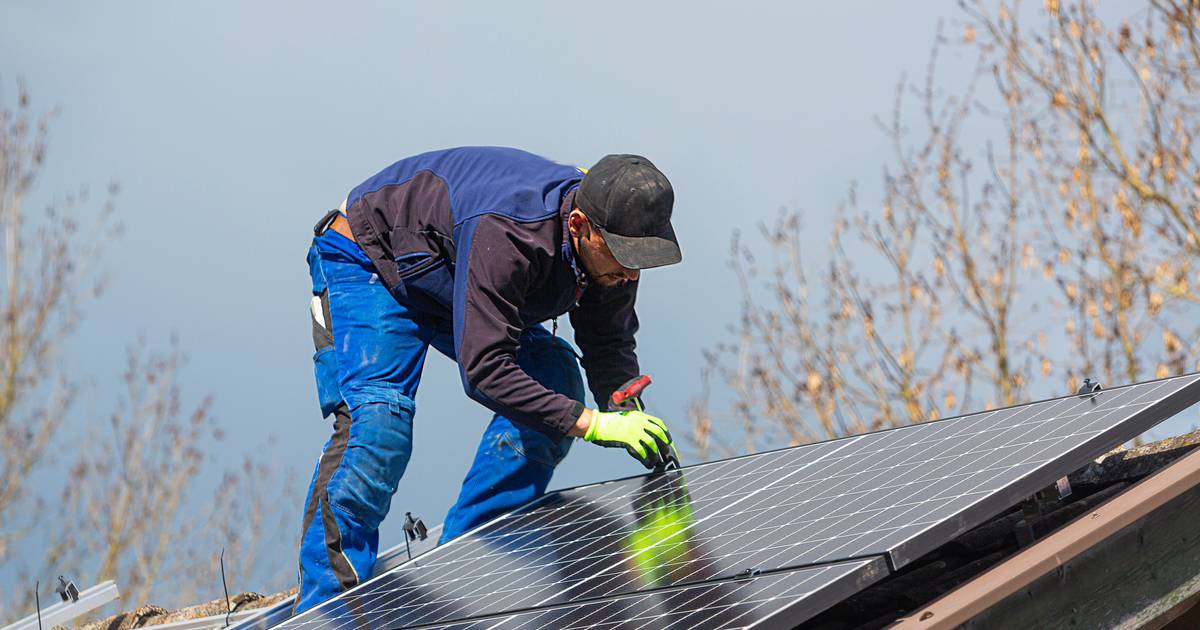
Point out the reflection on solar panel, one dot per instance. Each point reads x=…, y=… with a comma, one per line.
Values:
x=728, y=537
x=759, y=602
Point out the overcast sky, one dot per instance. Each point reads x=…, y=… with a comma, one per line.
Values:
x=232, y=126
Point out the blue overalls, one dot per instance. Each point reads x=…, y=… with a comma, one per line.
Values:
x=371, y=348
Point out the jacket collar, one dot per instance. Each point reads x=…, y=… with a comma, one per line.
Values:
x=568, y=252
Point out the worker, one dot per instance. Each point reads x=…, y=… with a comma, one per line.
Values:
x=470, y=250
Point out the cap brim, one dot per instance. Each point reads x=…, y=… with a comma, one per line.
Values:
x=644, y=252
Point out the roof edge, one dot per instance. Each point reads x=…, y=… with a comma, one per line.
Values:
x=991, y=587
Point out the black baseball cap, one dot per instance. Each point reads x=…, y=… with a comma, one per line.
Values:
x=629, y=200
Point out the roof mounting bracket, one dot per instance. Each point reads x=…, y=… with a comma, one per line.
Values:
x=1089, y=388
x=67, y=590
x=414, y=530
x=1035, y=506
x=414, y=527
x=1063, y=485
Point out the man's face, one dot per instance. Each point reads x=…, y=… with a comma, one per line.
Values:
x=597, y=261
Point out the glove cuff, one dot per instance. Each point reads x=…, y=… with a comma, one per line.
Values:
x=590, y=434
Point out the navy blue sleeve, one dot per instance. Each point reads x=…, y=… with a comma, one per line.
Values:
x=497, y=261
x=605, y=324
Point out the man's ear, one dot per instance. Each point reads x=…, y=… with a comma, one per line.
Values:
x=577, y=224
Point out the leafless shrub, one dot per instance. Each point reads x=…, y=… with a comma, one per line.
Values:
x=1067, y=244
x=130, y=505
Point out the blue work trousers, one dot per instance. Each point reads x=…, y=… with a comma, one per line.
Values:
x=371, y=347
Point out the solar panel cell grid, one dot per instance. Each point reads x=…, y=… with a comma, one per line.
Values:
x=898, y=493
x=742, y=603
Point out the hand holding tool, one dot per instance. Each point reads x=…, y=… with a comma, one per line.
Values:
x=644, y=436
x=628, y=397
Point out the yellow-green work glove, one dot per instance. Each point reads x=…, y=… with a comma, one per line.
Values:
x=643, y=435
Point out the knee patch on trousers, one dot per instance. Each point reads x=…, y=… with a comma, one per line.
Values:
x=378, y=449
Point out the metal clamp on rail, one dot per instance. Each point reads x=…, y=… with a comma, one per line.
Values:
x=67, y=590
x=414, y=530
x=1089, y=388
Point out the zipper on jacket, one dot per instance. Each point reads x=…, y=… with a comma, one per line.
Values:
x=422, y=266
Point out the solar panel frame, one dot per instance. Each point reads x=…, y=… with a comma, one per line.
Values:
x=907, y=548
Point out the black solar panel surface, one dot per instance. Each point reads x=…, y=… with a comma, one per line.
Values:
x=898, y=493
x=766, y=601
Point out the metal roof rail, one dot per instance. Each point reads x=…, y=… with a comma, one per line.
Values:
x=74, y=604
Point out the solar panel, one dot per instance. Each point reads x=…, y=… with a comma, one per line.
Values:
x=764, y=601
x=894, y=494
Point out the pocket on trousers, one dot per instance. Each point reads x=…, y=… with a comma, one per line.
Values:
x=325, y=368
x=426, y=282
x=314, y=270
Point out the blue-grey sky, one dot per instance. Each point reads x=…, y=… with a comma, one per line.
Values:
x=232, y=126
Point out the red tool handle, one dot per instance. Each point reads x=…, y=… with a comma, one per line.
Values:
x=620, y=401
x=631, y=389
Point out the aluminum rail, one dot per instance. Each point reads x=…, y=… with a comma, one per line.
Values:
x=62, y=612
